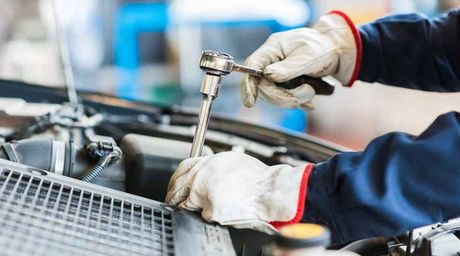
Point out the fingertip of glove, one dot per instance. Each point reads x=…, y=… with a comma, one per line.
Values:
x=280, y=71
x=248, y=91
x=168, y=199
x=184, y=167
x=177, y=197
x=271, y=74
x=248, y=101
x=186, y=163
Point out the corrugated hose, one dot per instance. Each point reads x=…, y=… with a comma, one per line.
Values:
x=98, y=168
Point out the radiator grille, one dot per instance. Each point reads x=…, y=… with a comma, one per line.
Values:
x=43, y=217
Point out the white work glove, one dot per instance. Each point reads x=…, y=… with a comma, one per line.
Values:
x=236, y=189
x=331, y=47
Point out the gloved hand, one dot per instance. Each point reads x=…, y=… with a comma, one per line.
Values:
x=238, y=190
x=331, y=47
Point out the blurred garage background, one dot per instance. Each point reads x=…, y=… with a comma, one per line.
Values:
x=148, y=50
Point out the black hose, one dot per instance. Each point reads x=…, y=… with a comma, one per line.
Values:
x=97, y=169
x=38, y=124
x=369, y=246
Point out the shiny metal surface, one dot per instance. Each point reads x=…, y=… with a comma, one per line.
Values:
x=216, y=63
x=219, y=63
x=59, y=151
x=202, y=126
x=210, y=85
x=209, y=90
x=248, y=70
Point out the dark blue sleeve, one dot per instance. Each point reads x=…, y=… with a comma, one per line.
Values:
x=413, y=51
x=398, y=183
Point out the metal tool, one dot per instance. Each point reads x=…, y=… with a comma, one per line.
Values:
x=64, y=54
x=217, y=64
x=216, y=61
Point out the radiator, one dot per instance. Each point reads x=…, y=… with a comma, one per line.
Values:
x=46, y=214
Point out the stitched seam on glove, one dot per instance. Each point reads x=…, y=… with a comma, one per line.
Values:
x=300, y=202
x=358, y=43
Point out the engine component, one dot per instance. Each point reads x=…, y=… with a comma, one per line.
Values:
x=46, y=214
x=46, y=154
x=15, y=113
x=369, y=246
x=443, y=239
x=150, y=163
x=106, y=150
x=66, y=158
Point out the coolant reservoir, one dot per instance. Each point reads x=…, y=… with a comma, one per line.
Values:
x=303, y=240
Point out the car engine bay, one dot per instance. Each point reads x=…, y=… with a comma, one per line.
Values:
x=135, y=147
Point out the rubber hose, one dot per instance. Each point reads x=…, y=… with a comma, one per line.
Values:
x=369, y=246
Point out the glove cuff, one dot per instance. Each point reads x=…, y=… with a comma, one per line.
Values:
x=300, y=199
x=358, y=52
x=339, y=27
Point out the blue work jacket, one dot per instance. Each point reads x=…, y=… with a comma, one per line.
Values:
x=400, y=181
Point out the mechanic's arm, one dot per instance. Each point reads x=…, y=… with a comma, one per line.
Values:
x=409, y=51
x=398, y=183
x=413, y=51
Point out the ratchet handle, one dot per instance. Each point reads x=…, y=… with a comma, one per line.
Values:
x=320, y=86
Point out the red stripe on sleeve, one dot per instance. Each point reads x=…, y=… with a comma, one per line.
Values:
x=300, y=202
x=358, y=43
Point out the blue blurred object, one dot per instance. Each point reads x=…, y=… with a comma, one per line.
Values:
x=428, y=7
x=273, y=24
x=294, y=119
x=135, y=18
x=131, y=20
